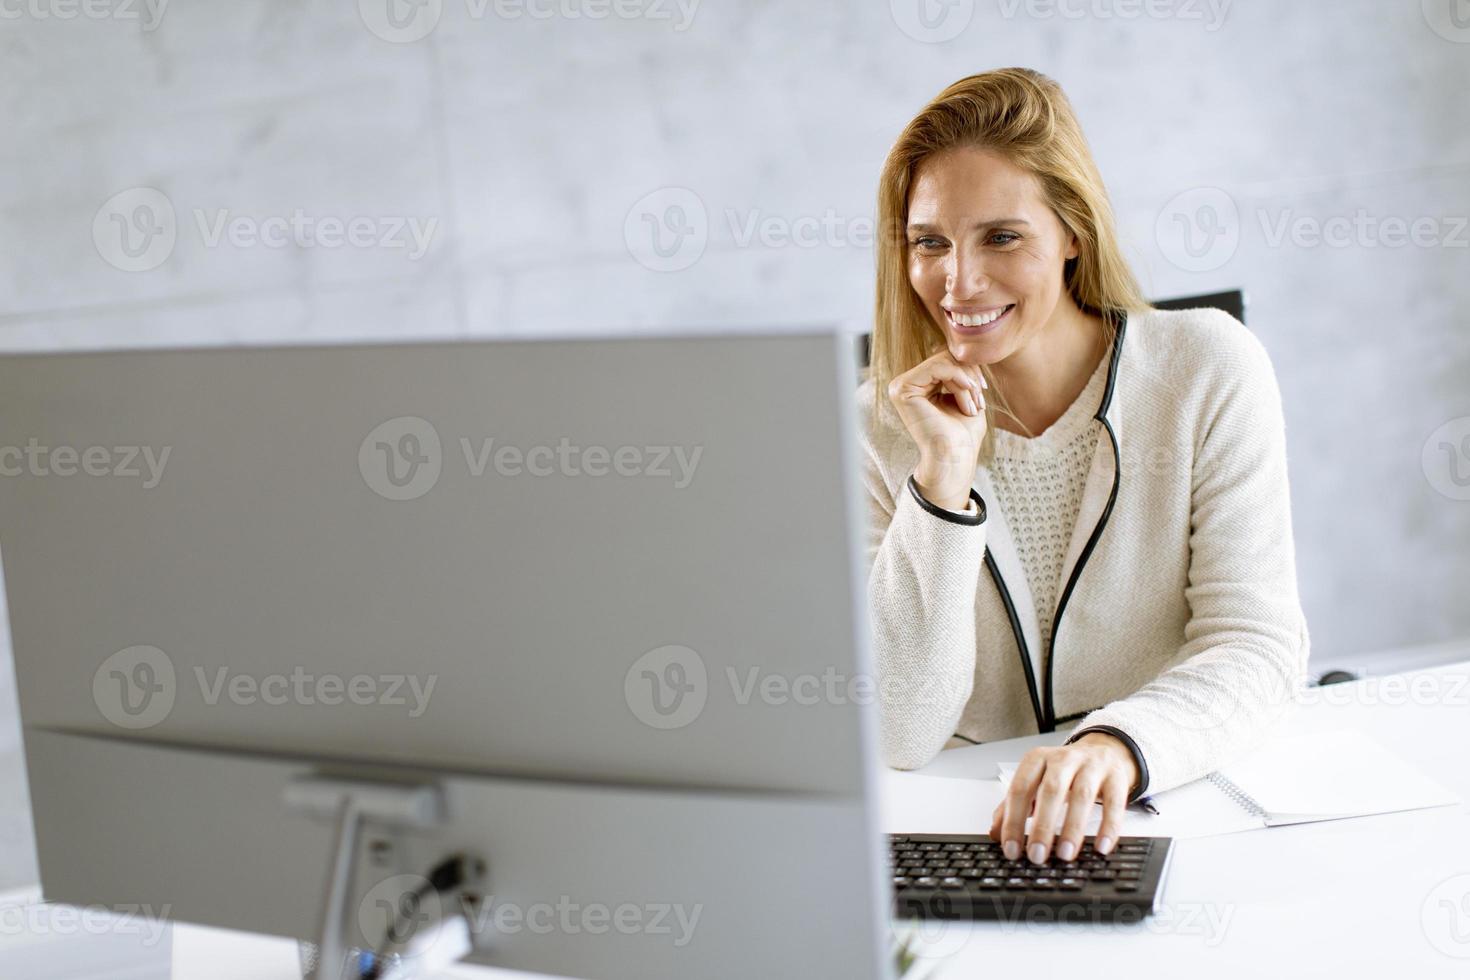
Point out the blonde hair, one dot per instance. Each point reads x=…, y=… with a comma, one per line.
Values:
x=1025, y=117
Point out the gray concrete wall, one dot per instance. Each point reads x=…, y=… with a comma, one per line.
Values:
x=535, y=151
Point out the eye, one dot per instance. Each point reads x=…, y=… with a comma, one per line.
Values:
x=1008, y=236
x=927, y=243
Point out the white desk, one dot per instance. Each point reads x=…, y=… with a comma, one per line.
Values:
x=1384, y=896
x=1342, y=899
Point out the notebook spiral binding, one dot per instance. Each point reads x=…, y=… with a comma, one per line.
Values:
x=1241, y=798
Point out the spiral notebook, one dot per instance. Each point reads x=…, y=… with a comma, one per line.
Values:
x=1291, y=779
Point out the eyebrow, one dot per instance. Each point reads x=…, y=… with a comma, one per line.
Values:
x=977, y=226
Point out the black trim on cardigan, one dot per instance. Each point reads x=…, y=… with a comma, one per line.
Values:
x=954, y=517
x=1005, y=598
x=1127, y=740
x=1102, y=522
x=1120, y=323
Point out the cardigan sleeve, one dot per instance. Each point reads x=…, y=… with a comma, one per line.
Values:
x=1244, y=656
x=924, y=565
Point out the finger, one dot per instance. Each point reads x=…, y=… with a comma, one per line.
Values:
x=974, y=371
x=927, y=379
x=1051, y=806
x=1085, y=786
x=964, y=397
x=1115, y=802
x=944, y=367
x=1018, y=802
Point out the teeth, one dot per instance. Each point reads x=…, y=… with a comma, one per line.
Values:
x=978, y=319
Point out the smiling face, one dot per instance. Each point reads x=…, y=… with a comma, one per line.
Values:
x=985, y=253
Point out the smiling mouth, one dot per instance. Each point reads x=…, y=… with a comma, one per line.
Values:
x=975, y=324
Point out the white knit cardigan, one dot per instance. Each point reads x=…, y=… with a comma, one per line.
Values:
x=1178, y=626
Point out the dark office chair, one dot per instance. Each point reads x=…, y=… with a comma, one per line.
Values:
x=1232, y=301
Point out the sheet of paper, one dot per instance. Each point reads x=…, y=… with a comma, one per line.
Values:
x=1333, y=774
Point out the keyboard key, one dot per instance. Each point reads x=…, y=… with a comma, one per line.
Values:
x=1016, y=884
x=1126, y=886
x=900, y=881
x=926, y=881
x=990, y=884
x=952, y=882
x=1070, y=884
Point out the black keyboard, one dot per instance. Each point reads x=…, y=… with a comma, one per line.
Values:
x=966, y=876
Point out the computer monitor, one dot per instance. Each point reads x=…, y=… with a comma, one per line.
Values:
x=294, y=626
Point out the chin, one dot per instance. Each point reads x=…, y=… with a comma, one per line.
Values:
x=972, y=353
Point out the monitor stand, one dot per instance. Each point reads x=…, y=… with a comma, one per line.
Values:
x=357, y=809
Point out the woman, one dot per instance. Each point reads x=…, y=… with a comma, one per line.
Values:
x=1078, y=503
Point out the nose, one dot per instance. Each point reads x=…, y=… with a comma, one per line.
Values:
x=964, y=275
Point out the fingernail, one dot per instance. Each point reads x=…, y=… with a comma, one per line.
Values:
x=1104, y=845
x=1066, y=850
x=1037, y=853
x=1012, y=850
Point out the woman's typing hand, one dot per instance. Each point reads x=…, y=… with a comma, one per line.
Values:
x=1062, y=783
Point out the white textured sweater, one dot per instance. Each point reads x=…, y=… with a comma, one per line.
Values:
x=1039, y=482
x=1177, y=625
